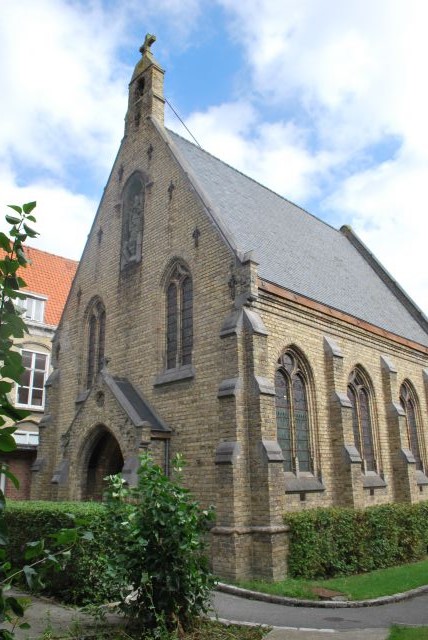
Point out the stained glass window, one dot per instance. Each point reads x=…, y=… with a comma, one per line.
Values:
x=359, y=397
x=408, y=404
x=292, y=416
x=96, y=342
x=179, y=319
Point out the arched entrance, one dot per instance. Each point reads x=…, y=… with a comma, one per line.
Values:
x=104, y=459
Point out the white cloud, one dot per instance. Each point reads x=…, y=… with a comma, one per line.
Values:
x=275, y=154
x=355, y=69
x=63, y=218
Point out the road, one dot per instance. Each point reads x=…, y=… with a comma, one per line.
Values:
x=410, y=612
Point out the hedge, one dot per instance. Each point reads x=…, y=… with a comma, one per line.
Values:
x=338, y=541
x=85, y=578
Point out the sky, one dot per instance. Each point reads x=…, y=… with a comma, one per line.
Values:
x=323, y=101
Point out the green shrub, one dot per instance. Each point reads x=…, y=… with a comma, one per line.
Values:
x=161, y=560
x=337, y=541
x=86, y=578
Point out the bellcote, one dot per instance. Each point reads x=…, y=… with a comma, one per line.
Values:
x=145, y=89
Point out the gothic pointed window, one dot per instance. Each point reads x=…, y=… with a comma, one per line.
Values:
x=408, y=402
x=96, y=324
x=179, y=318
x=292, y=415
x=132, y=220
x=362, y=419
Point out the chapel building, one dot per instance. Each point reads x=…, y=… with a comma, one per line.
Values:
x=212, y=317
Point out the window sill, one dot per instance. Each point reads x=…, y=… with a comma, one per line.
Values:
x=186, y=372
x=372, y=480
x=302, y=484
x=28, y=407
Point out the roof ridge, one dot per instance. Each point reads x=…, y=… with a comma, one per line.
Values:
x=275, y=193
x=49, y=253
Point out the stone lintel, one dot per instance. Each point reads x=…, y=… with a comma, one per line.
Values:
x=398, y=409
x=81, y=397
x=53, y=378
x=227, y=452
x=264, y=386
x=232, y=325
x=272, y=451
x=387, y=364
x=60, y=475
x=229, y=387
x=38, y=464
x=249, y=256
x=408, y=455
x=343, y=399
x=45, y=421
x=331, y=346
x=352, y=454
x=254, y=322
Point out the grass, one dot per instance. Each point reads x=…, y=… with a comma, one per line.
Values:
x=383, y=582
x=408, y=633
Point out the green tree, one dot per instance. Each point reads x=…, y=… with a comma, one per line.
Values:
x=161, y=563
x=11, y=326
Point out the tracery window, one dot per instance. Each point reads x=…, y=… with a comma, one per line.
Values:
x=362, y=421
x=132, y=219
x=408, y=402
x=292, y=414
x=96, y=327
x=179, y=318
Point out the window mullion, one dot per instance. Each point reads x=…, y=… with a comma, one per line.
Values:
x=293, y=438
x=179, y=322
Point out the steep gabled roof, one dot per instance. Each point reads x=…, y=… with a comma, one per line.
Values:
x=298, y=251
x=51, y=276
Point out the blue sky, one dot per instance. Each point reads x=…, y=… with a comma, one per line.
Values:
x=323, y=101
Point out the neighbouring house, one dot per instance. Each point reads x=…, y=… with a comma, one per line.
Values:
x=212, y=317
x=48, y=278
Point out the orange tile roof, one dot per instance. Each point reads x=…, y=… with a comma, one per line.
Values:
x=51, y=276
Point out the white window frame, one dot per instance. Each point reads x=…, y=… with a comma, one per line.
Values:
x=2, y=479
x=32, y=307
x=36, y=407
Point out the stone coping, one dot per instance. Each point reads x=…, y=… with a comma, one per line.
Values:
x=331, y=604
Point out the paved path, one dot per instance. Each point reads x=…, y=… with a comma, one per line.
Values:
x=293, y=623
x=352, y=623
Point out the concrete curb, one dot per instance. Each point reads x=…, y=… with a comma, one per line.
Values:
x=336, y=604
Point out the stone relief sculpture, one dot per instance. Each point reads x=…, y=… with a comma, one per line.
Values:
x=132, y=220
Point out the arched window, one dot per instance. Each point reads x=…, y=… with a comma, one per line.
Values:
x=179, y=318
x=96, y=328
x=360, y=398
x=292, y=414
x=408, y=402
x=132, y=220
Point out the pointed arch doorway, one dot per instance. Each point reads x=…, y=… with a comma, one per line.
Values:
x=103, y=458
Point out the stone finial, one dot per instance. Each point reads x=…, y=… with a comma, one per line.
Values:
x=148, y=41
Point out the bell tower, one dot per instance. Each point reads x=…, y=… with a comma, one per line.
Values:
x=145, y=89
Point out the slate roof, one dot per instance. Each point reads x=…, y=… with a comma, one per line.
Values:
x=295, y=249
x=51, y=276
